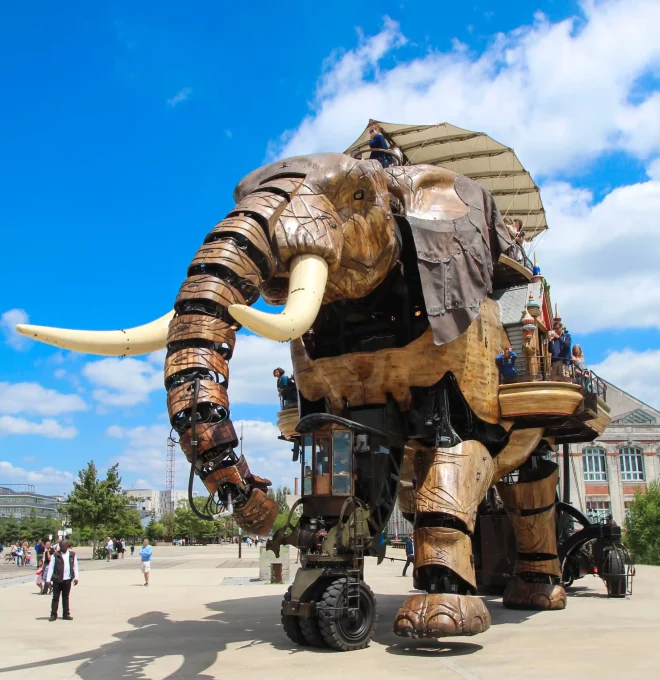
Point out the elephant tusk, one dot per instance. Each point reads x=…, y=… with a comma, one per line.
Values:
x=307, y=279
x=130, y=342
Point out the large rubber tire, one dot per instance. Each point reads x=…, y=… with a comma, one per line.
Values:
x=338, y=631
x=614, y=570
x=291, y=624
x=309, y=627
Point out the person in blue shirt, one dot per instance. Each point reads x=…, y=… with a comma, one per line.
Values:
x=377, y=141
x=410, y=553
x=560, y=349
x=145, y=556
x=506, y=363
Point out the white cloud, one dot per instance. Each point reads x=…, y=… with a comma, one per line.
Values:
x=145, y=453
x=251, y=369
x=8, y=322
x=48, y=478
x=33, y=398
x=46, y=428
x=638, y=373
x=601, y=258
x=653, y=169
x=127, y=381
x=560, y=93
x=180, y=96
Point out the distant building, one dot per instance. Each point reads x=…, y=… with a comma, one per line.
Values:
x=21, y=500
x=158, y=503
x=606, y=473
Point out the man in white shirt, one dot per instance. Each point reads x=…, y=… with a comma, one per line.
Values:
x=109, y=545
x=62, y=569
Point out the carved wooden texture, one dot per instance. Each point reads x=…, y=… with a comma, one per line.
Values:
x=531, y=495
x=535, y=533
x=516, y=452
x=195, y=327
x=426, y=191
x=190, y=358
x=244, y=227
x=234, y=474
x=519, y=594
x=438, y=615
x=406, y=492
x=180, y=397
x=258, y=513
x=263, y=205
x=534, y=398
x=603, y=420
x=209, y=435
x=287, y=421
x=228, y=254
x=207, y=287
x=368, y=377
x=453, y=481
x=445, y=547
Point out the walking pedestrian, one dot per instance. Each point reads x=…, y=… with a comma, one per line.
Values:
x=145, y=555
x=410, y=553
x=39, y=550
x=26, y=553
x=123, y=548
x=39, y=576
x=48, y=555
x=19, y=555
x=108, y=549
x=62, y=570
x=132, y=546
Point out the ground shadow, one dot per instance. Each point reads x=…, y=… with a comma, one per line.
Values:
x=253, y=620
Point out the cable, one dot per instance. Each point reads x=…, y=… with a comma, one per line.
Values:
x=193, y=463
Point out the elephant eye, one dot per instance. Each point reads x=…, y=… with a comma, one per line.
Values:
x=358, y=195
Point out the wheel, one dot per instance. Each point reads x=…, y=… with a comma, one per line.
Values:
x=338, y=630
x=291, y=624
x=309, y=627
x=613, y=572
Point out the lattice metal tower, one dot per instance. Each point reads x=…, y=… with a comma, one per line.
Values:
x=169, y=483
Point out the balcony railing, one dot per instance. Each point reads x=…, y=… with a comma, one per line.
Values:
x=540, y=368
x=516, y=252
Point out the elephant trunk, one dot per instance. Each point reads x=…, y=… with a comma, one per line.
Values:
x=224, y=277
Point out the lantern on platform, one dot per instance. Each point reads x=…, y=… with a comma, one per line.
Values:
x=533, y=307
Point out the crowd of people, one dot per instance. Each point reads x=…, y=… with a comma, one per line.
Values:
x=566, y=360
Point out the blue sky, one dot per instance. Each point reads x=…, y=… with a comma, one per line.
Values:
x=126, y=127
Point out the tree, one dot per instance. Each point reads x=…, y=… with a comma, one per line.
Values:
x=10, y=531
x=95, y=503
x=156, y=531
x=188, y=525
x=279, y=496
x=643, y=525
x=128, y=524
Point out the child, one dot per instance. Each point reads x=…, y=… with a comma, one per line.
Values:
x=39, y=576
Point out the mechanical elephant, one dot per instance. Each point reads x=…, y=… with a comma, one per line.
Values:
x=384, y=275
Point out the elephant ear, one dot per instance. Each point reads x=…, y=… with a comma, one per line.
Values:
x=458, y=235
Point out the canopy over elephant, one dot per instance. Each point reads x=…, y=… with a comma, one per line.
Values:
x=385, y=276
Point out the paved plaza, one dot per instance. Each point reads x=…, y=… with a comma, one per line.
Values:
x=190, y=624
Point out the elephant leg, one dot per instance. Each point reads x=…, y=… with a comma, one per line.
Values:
x=449, y=485
x=530, y=504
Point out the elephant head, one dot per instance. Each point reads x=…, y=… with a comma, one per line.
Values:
x=305, y=231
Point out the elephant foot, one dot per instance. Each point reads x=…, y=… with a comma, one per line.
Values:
x=437, y=615
x=520, y=594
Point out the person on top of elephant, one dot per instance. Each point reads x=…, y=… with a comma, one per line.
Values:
x=377, y=141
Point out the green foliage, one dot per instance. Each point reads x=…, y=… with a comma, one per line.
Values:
x=194, y=529
x=96, y=504
x=127, y=525
x=156, y=531
x=279, y=496
x=642, y=525
x=29, y=528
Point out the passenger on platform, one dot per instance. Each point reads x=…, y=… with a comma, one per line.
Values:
x=506, y=364
x=560, y=349
x=578, y=358
x=377, y=141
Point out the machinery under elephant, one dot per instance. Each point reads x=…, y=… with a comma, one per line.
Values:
x=387, y=276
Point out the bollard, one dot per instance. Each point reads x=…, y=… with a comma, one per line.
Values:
x=276, y=572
